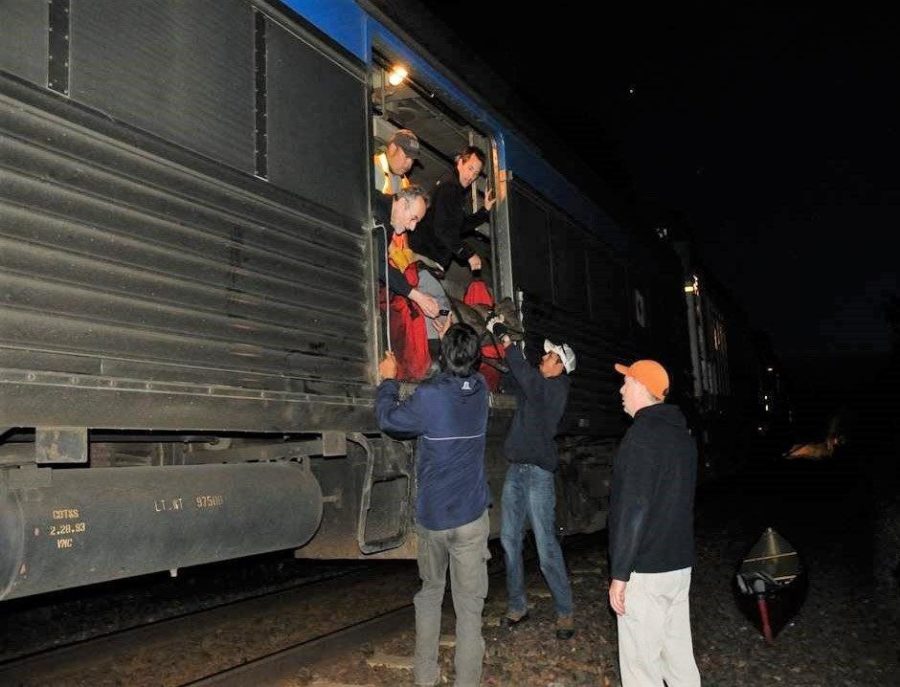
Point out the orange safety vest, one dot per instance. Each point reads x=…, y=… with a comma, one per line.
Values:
x=388, y=188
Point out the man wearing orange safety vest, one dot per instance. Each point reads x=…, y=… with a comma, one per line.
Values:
x=394, y=162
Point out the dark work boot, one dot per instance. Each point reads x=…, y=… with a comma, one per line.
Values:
x=513, y=619
x=565, y=627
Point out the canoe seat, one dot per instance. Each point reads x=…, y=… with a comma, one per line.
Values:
x=761, y=582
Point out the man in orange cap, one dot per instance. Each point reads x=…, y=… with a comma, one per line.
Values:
x=651, y=534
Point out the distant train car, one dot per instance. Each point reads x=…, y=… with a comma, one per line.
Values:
x=738, y=393
x=189, y=328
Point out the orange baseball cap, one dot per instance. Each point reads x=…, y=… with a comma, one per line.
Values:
x=649, y=373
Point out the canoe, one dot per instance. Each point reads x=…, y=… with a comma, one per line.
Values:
x=770, y=584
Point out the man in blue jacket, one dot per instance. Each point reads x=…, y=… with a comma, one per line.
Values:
x=651, y=534
x=449, y=416
x=529, y=490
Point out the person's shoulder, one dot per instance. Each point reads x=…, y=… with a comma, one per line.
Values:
x=435, y=385
x=444, y=184
x=481, y=386
x=557, y=385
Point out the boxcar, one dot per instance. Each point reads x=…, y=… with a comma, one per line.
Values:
x=189, y=328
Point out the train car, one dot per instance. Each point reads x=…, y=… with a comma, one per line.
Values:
x=738, y=395
x=189, y=328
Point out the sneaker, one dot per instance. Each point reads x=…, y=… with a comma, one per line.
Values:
x=565, y=627
x=513, y=619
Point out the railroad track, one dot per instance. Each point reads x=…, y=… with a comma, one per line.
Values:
x=224, y=645
x=287, y=662
x=249, y=641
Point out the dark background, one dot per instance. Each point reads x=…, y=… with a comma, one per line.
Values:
x=770, y=133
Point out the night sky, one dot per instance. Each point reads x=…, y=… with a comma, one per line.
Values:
x=772, y=132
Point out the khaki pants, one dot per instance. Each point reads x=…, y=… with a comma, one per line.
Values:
x=655, y=632
x=464, y=550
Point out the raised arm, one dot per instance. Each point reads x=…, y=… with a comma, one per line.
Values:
x=528, y=377
x=394, y=416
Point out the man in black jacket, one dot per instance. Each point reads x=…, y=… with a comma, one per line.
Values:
x=440, y=233
x=447, y=221
x=651, y=534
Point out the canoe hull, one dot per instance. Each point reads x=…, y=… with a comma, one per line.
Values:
x=781, y=604
x=770, y=584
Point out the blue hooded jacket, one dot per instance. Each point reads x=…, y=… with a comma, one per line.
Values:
x=449, y=416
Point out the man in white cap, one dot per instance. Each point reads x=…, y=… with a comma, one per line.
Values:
x=529, y=490
x=651, y=534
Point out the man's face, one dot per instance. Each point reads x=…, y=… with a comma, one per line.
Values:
x=468, y=170
x=634, y=395
x=405, y=214
x=398, y=161
x=551, y=365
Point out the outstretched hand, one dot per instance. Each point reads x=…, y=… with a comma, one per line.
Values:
x=427, y=302
x=495, y=325
x=489, y=199
x=442, y=324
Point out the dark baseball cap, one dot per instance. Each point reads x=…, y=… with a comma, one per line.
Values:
x=407, y=141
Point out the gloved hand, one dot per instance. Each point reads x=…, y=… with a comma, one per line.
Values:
x=496, y=327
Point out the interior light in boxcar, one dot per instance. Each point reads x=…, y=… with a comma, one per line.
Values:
x=397, y=75
x=693, y=286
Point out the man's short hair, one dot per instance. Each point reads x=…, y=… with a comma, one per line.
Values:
x=469, y=151
x=460, y=352
x=411, y=192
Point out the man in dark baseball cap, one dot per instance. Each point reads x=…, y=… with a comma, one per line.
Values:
x=407, y=141
x=394, y=162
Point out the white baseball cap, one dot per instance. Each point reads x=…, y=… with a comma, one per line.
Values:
x=565, y=353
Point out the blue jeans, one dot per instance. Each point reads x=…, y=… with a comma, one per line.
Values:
x=530, y=491
x=464, y=550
